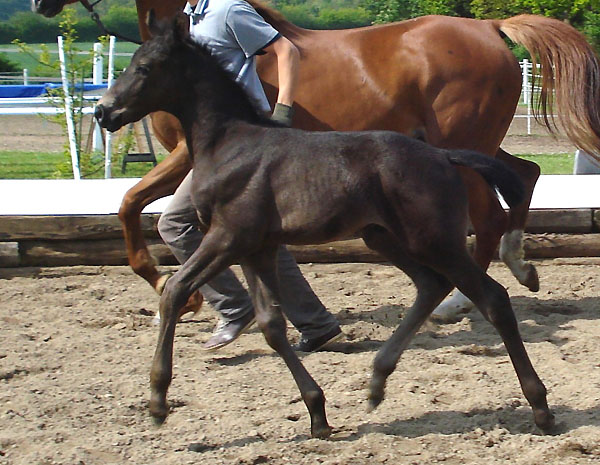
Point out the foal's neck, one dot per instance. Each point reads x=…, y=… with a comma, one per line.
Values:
x=213, y=104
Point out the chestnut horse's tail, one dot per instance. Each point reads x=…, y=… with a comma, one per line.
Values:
x=570, y=67
x=495, y=172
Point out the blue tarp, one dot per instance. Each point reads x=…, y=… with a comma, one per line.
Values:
x=37, y=90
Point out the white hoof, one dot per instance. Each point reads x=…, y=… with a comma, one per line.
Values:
x=451, y=308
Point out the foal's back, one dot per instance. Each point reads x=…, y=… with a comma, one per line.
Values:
x=318, y=187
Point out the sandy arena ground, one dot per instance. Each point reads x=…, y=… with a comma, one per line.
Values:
x=77, y=344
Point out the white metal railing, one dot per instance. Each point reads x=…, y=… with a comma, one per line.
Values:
x=44, y=105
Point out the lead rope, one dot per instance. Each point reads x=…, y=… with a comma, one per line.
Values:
x=96, y=18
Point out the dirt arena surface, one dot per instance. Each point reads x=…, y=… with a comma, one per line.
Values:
x=77, y=342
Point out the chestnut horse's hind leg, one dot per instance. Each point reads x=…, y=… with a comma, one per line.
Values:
x=511, y=246
x=260, y=272
x=431, y=289
x=212, y=257
x=159, y=182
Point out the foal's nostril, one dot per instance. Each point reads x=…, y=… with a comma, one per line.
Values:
x=99, y=113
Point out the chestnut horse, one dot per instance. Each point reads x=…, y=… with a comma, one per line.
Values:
x=257, y=185
x=450, y=81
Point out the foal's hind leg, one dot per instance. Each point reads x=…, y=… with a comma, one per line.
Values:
x=489, y=223
x=492, y=299
x=431, y=289
x=511, y=246
x=260, y=271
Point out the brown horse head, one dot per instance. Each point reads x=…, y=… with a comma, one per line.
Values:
x=49, y=8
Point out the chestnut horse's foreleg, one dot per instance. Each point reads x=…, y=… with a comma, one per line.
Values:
x=260, y=272
x=431, y=289
x=511, y=246
x=489, y=223
x=212, y=257
x=161, y=181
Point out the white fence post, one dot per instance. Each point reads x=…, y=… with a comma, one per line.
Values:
x=25, y=77
x=68, y=110
x=111, y=69
x=525, y=68
x=98, y=71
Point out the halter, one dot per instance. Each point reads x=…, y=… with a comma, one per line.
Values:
x=96, y=18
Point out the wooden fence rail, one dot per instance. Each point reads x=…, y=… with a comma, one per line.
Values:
x=65, y=240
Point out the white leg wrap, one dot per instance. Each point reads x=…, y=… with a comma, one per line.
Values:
x=454, y=305
x=511, y=253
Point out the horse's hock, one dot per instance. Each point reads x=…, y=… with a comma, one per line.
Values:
x=98, y=240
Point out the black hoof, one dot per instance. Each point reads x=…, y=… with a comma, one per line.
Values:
x=158, y=420
x=322, y=432
x=547, y=424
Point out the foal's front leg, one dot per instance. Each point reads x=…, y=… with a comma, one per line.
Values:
x=261, y=274
x=212, y=257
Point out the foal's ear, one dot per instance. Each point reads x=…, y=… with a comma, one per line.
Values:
x=181, y=27
x=157, y=27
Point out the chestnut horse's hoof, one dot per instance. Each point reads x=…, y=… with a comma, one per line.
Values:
x=193, y=305
x=532, y=282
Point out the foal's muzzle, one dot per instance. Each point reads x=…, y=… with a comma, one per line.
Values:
x=110, y=120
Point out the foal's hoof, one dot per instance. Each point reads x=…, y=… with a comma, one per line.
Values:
x=546, y=422
x=322, y=432
x=532, y=282
x=375, y=399
x=158, y=420
x=158, y=413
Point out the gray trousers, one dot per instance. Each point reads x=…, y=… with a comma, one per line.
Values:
x=178, y=227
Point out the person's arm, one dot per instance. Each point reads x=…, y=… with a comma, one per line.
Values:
x=288, y=65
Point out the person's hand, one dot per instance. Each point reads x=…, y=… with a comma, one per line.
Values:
x=283, y=114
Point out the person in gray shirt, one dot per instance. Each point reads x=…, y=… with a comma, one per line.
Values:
x=235, y=33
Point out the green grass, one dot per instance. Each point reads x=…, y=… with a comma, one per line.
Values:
x=35, y=165
x=23, y=60
x=560, y=163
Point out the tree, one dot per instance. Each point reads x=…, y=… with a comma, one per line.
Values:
x=7, y=66
x=395, y=10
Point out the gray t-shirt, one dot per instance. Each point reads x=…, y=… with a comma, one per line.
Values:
x=234, y=32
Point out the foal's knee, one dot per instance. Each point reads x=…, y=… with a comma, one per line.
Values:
x=272, y=325
x=174, y=296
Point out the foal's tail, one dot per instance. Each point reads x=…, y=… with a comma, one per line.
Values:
x=569, y=66
x=496, y=173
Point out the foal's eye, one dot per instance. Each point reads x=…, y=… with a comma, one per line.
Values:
x=143, y=70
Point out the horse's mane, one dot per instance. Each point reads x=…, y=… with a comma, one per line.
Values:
x=275, y=19
x=271, y=15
